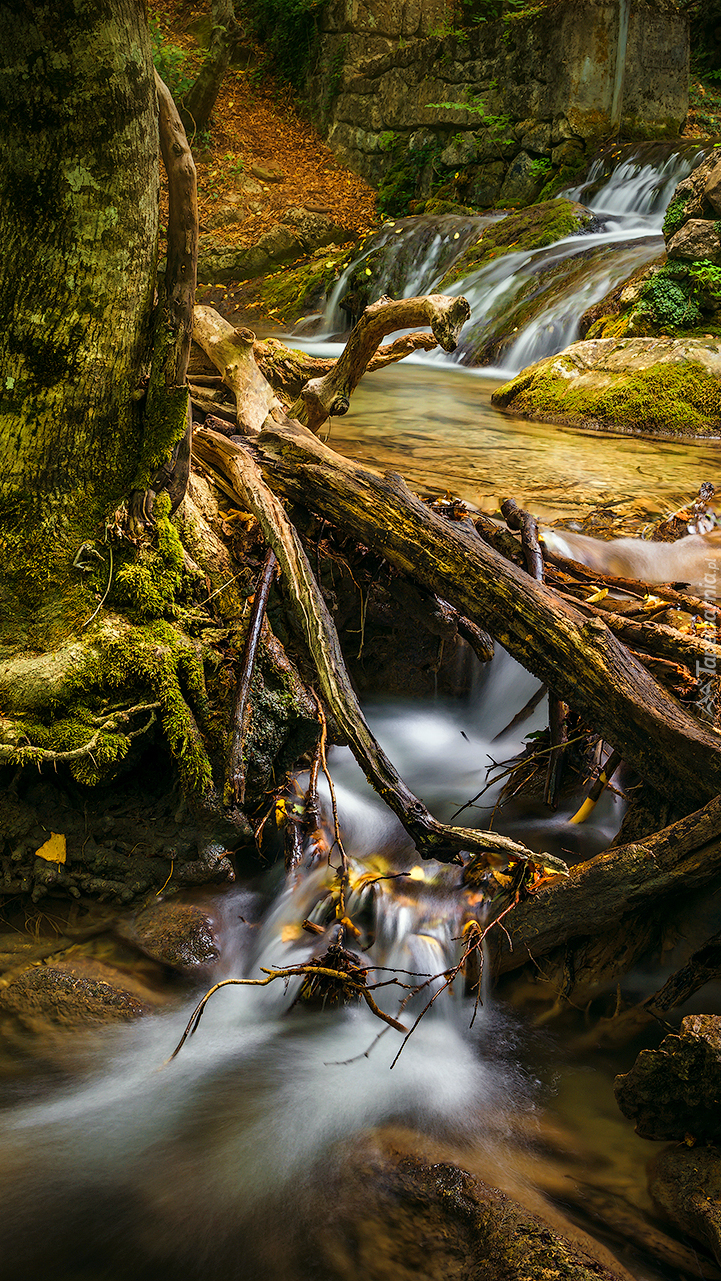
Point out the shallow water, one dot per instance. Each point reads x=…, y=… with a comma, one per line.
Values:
x=435, y=424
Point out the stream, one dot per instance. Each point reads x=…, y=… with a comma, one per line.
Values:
x=223, y=1162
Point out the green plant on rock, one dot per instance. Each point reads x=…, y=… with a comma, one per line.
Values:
x=675, y=215
x=171, y=63
x=398, y=185
x=670, y=302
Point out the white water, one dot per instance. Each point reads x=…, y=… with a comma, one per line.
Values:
x=146, y=1169
x=539, y=295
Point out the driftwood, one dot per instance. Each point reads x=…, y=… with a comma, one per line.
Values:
x=330, y=395
x=579, y=658
x=432, y=839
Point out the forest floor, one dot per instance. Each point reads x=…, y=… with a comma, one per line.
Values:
x=256, y=124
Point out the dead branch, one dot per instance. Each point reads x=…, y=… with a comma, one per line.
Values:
x=323, y=397
x=432, y=839
x=241, y=711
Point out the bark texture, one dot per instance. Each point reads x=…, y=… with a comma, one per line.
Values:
x=78, y=224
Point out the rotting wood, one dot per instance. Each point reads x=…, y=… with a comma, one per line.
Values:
x=599, y=893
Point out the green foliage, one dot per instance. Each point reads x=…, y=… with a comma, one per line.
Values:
x=287, y=29
x=670, y=302
x=475, y=107
x=539, y=168
x=171, y=63
x=674, y=215
x=398, y=185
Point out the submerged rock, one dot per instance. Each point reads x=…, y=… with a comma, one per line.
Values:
x=674, y=1091
x=685, y=1183
x=179, y=935
x=645, y=386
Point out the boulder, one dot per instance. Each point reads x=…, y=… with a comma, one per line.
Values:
x=179, y=935
x=696, y=239
x=73, y=992
x=523, y=181
x=685, y=1183
x=315, y=230
x=675, y=1091
x=646, y=386
x=712, y=190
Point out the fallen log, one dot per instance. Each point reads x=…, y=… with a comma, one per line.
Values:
x=598, y=894
x=580, y=659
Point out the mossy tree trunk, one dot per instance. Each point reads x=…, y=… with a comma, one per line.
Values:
x=78, y=228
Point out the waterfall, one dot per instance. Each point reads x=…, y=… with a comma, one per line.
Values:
x=201, y=1164
x=528, y=305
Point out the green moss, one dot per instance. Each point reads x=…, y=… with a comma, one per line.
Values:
x=291, y=293
x=148, y=583
x=166, y=409
x=675, y=214
x=680, y=399
x=530, y=228
x=399, y=184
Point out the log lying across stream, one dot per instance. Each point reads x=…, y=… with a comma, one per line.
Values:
x=577, y=656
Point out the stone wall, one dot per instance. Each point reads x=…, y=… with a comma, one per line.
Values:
x=562, y=75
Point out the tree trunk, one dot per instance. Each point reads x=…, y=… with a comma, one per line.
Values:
x=78, y=226
x=200, y=98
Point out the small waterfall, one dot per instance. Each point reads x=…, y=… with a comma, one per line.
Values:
x=528, y=305
x=202, y=1165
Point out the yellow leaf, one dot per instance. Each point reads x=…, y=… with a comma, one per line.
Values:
x=417, y=874
x=53, y=851
x=599, y=595
x=290, y=933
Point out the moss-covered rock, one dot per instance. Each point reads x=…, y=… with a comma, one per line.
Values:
x=669, y=298
x=528, y=229
x=638, y=386
x=295, y=292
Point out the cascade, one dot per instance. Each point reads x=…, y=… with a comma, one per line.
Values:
x=527, y=305
x=216, y=1162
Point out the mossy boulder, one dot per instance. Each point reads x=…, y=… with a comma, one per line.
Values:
x=638, y=386
x=292, y=293
x=528, y=229
x=663, y=298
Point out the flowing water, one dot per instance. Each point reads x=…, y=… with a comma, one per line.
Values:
x=225, y=1162
x=528, y=305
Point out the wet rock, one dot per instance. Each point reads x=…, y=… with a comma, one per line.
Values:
x=300, y=232
x=523, y=181
x=397, y=1218
x=685, y=1183
x=180, y=935
x=75, y=991
x=712, y=190
x=674, y=1091
x=654, y=386
x=696, y=239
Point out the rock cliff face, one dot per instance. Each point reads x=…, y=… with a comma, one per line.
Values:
x=521, y=98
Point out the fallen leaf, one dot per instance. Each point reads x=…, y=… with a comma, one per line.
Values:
x=54, y=850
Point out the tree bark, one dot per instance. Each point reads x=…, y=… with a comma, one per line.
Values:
x=201, y=97
x=78, y=206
